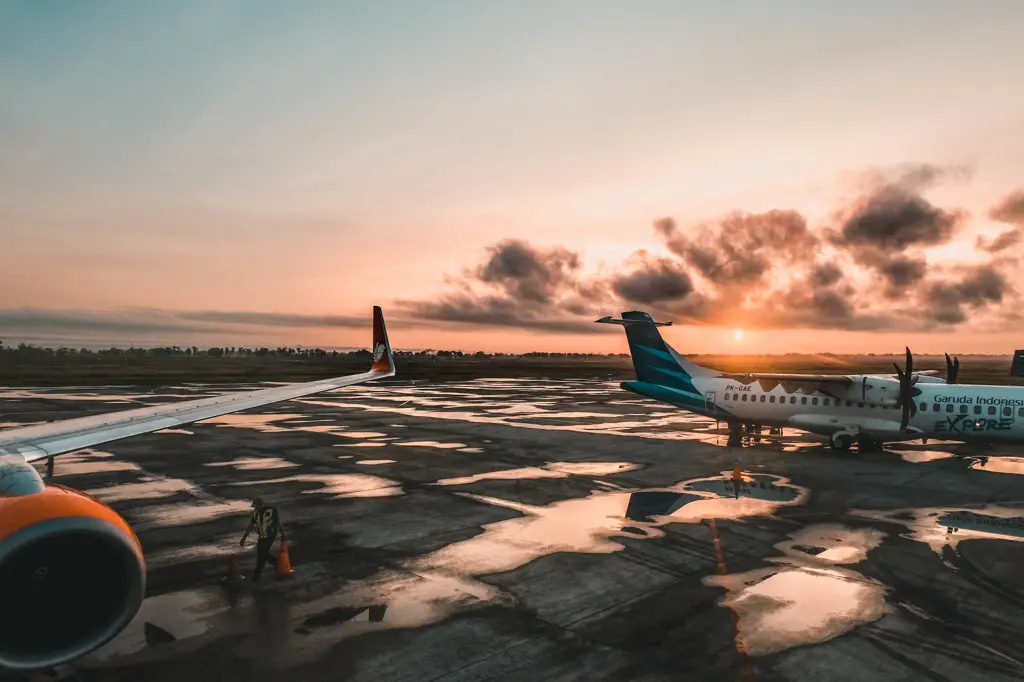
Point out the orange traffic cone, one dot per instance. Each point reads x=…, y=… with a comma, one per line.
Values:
x=234, y=576
x=284, y=564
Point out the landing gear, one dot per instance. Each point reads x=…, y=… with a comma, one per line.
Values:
x=841, y=441
x=868, y=444
x=735, y=435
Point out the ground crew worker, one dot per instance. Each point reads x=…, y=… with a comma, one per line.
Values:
x=266, y=522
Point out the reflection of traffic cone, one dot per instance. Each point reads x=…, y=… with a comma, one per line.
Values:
x=234, y=576
x=284, y=564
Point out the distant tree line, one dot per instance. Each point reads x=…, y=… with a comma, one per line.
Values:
x=30, y=351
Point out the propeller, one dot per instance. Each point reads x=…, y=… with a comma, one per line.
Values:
x=952, y=369
x=908, y=391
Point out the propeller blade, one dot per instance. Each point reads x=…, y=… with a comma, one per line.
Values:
x=956, y=369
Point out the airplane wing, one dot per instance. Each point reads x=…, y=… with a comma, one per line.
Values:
x=55, y=438
x=750, y=377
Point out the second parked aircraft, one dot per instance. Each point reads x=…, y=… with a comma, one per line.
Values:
x=870, y=409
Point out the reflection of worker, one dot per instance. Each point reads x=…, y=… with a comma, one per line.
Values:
x=266, y=522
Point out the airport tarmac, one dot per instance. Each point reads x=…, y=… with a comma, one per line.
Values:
x=548, y=530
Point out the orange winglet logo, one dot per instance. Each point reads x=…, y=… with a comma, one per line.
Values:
x=381, y=360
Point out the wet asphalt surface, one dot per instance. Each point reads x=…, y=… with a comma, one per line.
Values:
x=541, y=530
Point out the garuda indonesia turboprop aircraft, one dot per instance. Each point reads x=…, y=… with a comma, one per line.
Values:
x=867, y=408
x=72, y=573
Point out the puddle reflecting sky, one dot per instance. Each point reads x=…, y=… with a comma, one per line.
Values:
x=254, y=463
x=588, y=525
x=552, y=470
x=807, y=598
x=338, y=485
x=1002, y=465
x=932, y=525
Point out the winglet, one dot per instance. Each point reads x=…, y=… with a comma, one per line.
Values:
x=383, y=359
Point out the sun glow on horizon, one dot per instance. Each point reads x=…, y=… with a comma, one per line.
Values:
x=737, y=335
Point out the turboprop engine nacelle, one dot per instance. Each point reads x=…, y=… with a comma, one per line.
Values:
x=871, y=390
x=72, y=574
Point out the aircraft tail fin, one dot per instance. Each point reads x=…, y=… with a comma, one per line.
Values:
x=383, y=358
x=654, y=360
x=1017, y=367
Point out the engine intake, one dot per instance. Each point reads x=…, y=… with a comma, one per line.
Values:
x=70, y=580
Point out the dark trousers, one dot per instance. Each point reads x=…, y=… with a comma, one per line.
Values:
x=262, y=555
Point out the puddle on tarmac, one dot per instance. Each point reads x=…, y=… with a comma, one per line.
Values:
x=259, y=422
x=921, y=456
x=470, y=450
x=84, y=462
x=182, y=431
x=432, y=444
x=184, y=514
x=151, y=489
x=181, y=614
x=389, y=600
x=552, y=470
x=367, y=444
x=806, y=598
x=587, y=525
x=373, y=462
x=941, y=527
x=1002, y=465
x=255, y=463
x=339, y=485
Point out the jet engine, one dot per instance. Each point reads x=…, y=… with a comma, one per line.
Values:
x=72, y=574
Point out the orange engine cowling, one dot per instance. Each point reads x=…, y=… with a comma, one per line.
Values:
x=72, y=576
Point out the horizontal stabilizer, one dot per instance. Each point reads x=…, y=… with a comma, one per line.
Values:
x=608, y=319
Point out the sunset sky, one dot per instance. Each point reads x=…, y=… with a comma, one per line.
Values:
x=825, y=176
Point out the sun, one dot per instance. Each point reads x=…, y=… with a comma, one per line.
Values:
x=737, y=335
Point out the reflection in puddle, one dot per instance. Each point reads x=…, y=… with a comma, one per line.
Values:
x=90, y=462
x=181, y=614
x=805, y=599
x=432, y=444
x=367, y=444
x=553, y=470
x=920, y=456
x=151, y=489
x=372, y=462
x=940, y=527
x=182, y=431
x=259, y=422
x=1002, y=465
x=255, y=463
x=583, y=525
x=340, y=485
x=196, y=511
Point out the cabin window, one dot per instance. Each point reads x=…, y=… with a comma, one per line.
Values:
x=963, y=409
x=772, y=400
x=762, y=397
x=924, y=407
x=936, y=407
x=849, y=403
x=949, y=407
x=824, y=401
x=860, y=404
x=977, y=409
x=1020, y=411
x=803, y=401
x=792, y=400
x=991, y=409
x=744, y=397
x=1007, y=412
x=814, y=401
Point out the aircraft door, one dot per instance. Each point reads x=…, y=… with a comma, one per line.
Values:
x=709, y=403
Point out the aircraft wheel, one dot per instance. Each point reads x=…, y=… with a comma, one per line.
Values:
x=842, y=441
